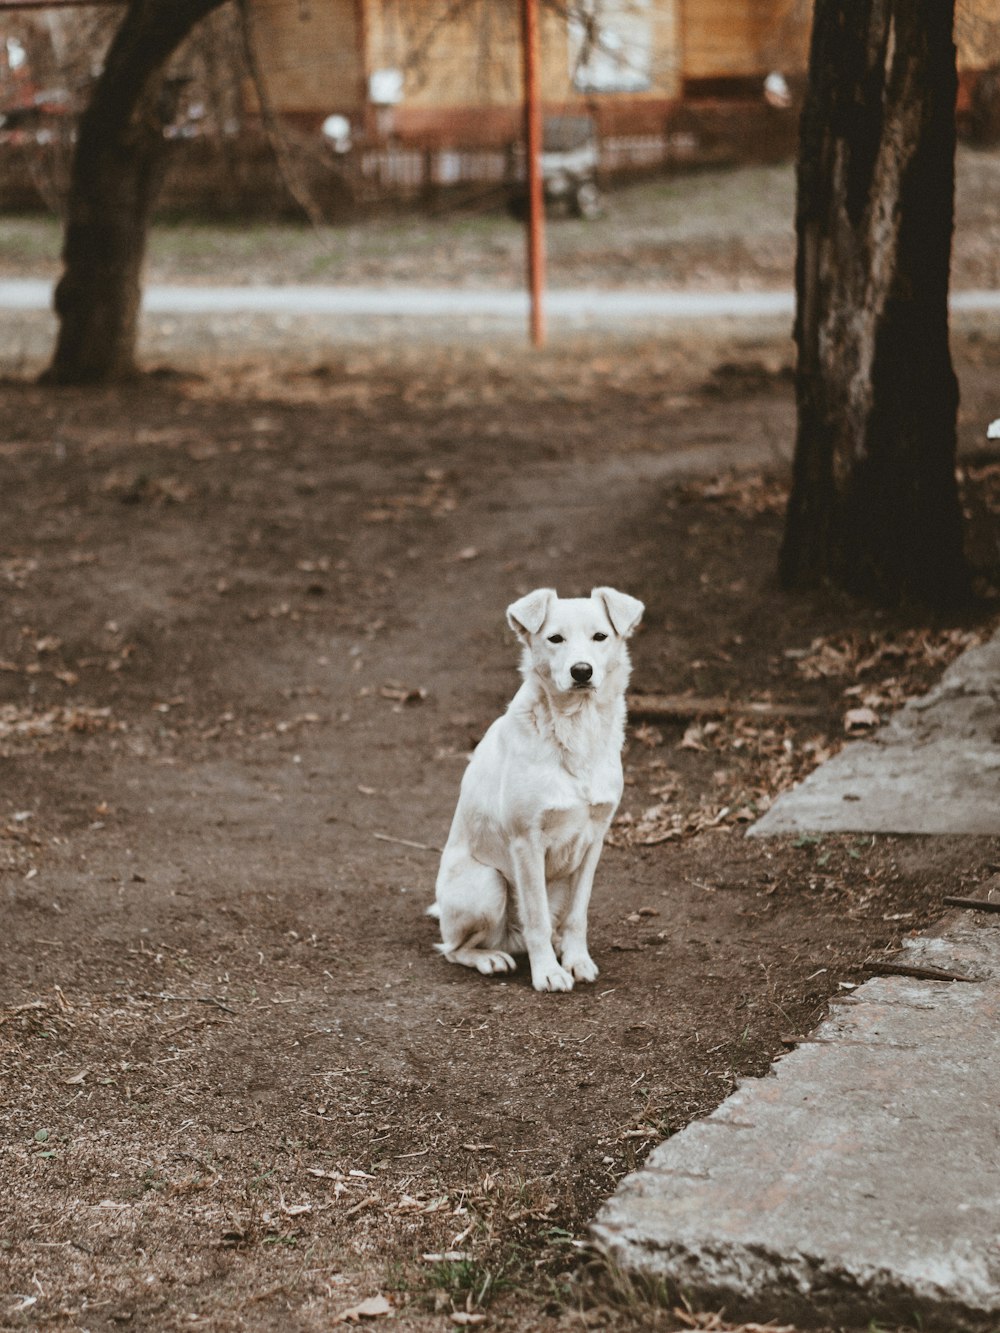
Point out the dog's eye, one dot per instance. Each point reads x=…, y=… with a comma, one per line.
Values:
x=556, y=638
x=599, y=638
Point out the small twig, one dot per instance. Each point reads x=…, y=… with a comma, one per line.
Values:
x=975, y=904
x=184, y=999
x=915, y=970
x=365, y=1203
x=405, y=842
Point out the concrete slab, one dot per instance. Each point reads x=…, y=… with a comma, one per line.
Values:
x=934, y=768
x=859, y=1180
x=966, y=947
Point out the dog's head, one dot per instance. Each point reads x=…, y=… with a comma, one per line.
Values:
x=575, y=643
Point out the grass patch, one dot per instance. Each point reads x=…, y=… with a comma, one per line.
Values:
x=29, y=245
x=473, y=1283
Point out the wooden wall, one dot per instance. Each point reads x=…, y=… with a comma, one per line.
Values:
x=317, y=54
x=744, y=38
x=977, y=33
x=473, y=58
x=310, y=53
x=470, y=59
x=463, y=59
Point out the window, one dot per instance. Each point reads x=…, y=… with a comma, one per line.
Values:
x=611, y=45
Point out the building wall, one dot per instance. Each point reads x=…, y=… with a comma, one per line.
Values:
x=464, y=57
x=461, y=56
x=977, y=33
x=744, y=38
x=781, y=32
x=461, y=65
x=468, y=54
x=626, y=62
x=310, y=55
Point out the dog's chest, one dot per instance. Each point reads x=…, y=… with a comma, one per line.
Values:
x=567, y=835
x=577, y=818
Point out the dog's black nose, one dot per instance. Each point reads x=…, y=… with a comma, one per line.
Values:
x=581, y=672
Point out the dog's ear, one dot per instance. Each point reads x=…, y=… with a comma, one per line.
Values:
x=624, y=611
x=527, y=615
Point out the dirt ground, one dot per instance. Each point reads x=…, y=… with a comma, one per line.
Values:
x=253, y=623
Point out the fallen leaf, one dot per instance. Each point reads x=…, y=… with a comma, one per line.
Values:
x=372, y=1308
x=462, y=1317
x=692, y=738
x=404, y=695
x=647, y=735
x=859, y=719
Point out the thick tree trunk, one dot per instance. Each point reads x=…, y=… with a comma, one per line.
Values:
x=117, y=169
x=874, y=505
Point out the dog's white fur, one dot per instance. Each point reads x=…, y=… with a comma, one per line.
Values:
x=539, y=794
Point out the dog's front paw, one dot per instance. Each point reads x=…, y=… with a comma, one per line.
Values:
x=551, y=977
x=582, y=967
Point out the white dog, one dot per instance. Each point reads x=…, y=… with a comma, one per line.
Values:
x=539, y=793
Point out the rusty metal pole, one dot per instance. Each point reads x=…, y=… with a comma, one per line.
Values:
x=533, y=168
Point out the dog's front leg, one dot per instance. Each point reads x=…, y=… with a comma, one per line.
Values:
x=576, y=957
x=536, y=920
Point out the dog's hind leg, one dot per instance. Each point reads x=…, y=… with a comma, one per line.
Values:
x=472, y=903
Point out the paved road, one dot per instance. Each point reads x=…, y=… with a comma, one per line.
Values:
x=566, y=303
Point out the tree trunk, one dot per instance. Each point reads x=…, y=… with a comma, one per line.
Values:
x=117, y=170
x=874, y=505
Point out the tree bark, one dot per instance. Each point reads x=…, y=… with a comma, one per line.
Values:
x=874, y=505
x=117, y=170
